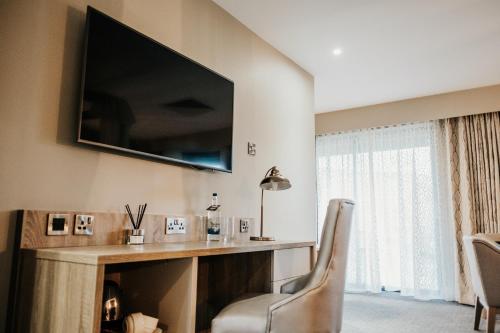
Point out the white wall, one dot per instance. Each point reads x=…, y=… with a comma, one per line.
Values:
x=41, y=167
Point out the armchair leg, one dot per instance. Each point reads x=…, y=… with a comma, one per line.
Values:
x=477, y=316
x=491, y=317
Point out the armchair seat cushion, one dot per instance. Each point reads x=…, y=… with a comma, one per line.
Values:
x=248, y=315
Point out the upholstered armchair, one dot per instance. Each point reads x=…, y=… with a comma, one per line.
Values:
x=483, y=254
x=311, y=303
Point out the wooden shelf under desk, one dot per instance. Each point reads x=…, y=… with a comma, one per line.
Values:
x=183, y=284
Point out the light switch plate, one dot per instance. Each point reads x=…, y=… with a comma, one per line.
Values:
x=244, y=224
x=252, y=149
x=58, y=224
x=84, y=225
x=175, y=225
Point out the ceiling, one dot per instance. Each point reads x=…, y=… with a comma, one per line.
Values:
x=391, y=49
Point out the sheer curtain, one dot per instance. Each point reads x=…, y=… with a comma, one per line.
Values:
x=402, y=236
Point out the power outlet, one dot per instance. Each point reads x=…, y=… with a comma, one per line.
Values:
x=84, y=225
x=175, y=225
x=244, y=225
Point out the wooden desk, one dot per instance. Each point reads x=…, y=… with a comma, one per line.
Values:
x=183, y=284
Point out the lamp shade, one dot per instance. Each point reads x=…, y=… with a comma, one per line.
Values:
x=275, y=181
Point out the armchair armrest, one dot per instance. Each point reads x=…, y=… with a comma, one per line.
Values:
x=304, y=311
x=293, y=286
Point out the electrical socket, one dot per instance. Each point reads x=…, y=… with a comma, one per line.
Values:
x=84, y=225
x=175, y=225
x=244, y=225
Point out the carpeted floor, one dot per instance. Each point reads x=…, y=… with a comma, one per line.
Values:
x=392, y=313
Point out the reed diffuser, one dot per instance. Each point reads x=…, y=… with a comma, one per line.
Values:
x=136, y=234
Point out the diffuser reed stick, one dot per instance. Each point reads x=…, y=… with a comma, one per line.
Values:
x=131, y=217
x=142, y=214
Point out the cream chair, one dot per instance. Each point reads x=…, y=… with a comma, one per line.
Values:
x=311, y=303
x=483, y=254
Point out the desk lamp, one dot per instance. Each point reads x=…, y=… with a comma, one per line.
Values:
x=272, y=181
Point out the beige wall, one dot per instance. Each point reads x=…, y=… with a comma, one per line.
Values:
x=460, y=103
x=41, y=167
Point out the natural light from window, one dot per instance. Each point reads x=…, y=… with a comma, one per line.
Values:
x=392, y=174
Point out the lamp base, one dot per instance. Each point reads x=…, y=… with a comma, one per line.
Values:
x=261, y=238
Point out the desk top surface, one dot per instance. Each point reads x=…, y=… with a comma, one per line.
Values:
x=114, y=254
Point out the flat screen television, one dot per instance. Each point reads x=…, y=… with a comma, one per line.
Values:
x=141, y=97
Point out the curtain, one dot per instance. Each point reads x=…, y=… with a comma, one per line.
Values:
x=473, y=152
x=402, y=233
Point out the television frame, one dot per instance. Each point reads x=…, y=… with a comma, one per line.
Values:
x=132, y=152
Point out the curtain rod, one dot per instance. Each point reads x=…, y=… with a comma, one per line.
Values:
x=375, y=128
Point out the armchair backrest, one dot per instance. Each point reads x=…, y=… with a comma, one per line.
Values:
x=334, y=245
x=318, y=306
x=483, y=255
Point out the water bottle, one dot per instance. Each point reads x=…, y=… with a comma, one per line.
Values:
x=214, y=219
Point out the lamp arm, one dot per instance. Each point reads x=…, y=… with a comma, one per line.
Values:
x=262, y=204
x=261, y=212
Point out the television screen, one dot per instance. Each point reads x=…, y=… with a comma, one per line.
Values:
x=141, y=97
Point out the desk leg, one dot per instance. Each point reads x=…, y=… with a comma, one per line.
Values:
x=192, y=296
x=58, y=296
x=98, y=298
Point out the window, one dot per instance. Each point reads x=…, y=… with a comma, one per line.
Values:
x=400, y=225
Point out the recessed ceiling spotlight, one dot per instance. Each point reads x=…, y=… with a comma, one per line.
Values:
x=337, y=51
